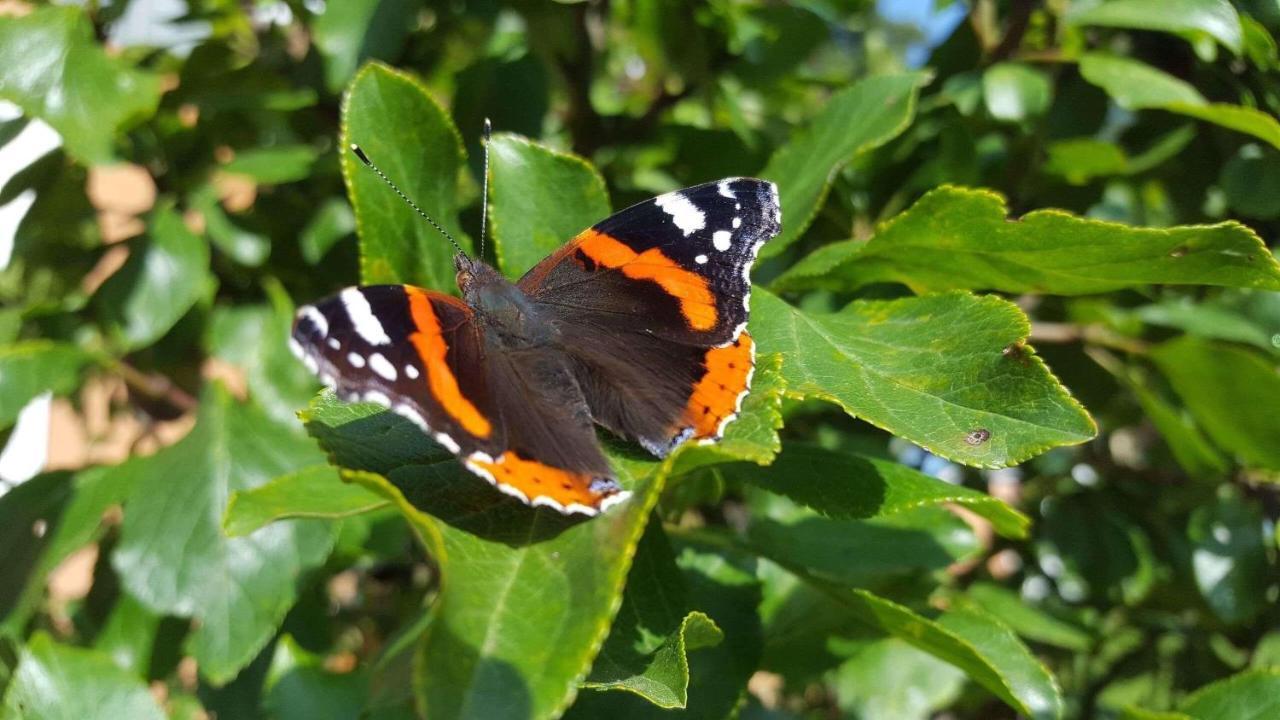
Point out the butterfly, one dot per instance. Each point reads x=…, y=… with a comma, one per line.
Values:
x=637, y=324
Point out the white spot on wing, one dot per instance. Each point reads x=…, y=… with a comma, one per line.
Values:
x=737, y=223
x=362, y=317
x=701, y=259
x=411, y=372
x=684, y=213
x=725, y=190
x=379, y=364
x=333, y=343
x=356, y=359
x=296, y=348
x=316, y=317
x=615, y=499
x=720, y=239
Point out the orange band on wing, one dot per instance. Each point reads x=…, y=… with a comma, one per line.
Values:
x=697, y=304
x=537, y=480
x=433, y=350
x=715, y=397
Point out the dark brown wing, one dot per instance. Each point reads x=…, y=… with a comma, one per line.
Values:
x=421, y=354
x=652, y=304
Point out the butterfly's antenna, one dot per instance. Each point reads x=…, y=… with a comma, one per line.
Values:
x=484, y=202
x=369, y=163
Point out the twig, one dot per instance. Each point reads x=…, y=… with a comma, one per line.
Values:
x=1051, y=332
x=156, y=387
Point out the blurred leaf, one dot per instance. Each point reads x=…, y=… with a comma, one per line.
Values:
x=865, y=553
x=300, y=688
x=1229, y=558
x=723, y=585
x=1251, y=181
x=1220, y=318
x=245, y=247
x=1232, y=393
x=1079, y=160
x=1252, y=694
x=898, y=365
x=1093, y=550
x=541, y=199
x=960, y=238
x=173, y=556
x=848, y=486
x=888, y=678
x=349, y=32
x=527, y=593
x=52, y=67
x=57, y=682
x=313, y=492
x=32, y=367
x=1134, y=85
x=274, y=165
x=1216, y=18
x=166, y=273
x=855, y=120
x=1024, y=618
x=129, y=634
x=1014, y=92
x=646, y=651
x=386, y=111
x=331, y=223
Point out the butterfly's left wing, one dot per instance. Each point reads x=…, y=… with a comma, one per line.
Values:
x=652, y=305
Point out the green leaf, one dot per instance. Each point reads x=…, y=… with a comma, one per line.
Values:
x=1232, y=392
x=245, y=247
x=1014, y=92
x=274, y=165
x=128, y=635
x=32, y=367
x=1251, y=181
x=888, y=678
x=348, y=33
x=955, y=238
x=859, y=118
x=847, y=486
x=1137, y=86
x=646, y=651
x=332, y=222
x=541, y=198
x=58, y=682
x=173, y=556
x=312, y=492
x=1025, y=618
x=1093, y=550
x=1216, y=18
x=865, y=553
x=527, y=593
x=166, y=273
x=300, y=688
x=950, y=373
x=386, y=111
x=1247, y=696
x=1229, y=558
x=1079, y=160
x=52, y=67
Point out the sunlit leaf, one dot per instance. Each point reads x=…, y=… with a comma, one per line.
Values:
x=60, y=682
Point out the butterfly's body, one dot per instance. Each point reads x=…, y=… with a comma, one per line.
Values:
x=638, y=325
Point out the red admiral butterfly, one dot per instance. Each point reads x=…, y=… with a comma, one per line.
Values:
x=638, y=324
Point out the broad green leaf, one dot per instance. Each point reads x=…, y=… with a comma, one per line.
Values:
x=1138, y=86
x=274, y=165
x=1229, y=558
x=753, y=435
x=52, y=67
x=1251, y=181
x=888, y=678
x=865, y=553
x=541, y=198
x=646, y=651
x=173, y=555
x=1216, y=18
x=1093, y=550
x=1026, y=619
x=1079, y=160
x=847, y=486
x=349, y=32
x=166, y=273
x=312, y=492
x=59, y=682
x=859, y=118
x=1232, y=392
x=332, y=222
x=128, y=635
x=949, y=372
x=1252, y=695
x=722, y=585
x=244, y=246
x=527, y=593
x=1014, y=92
x=956, y=238
x=409, y=136
x=32, y=367
x=300, y=688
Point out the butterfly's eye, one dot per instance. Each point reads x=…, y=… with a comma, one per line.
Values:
x=464, y=279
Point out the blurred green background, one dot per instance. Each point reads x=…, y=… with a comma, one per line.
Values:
x=172, y=186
